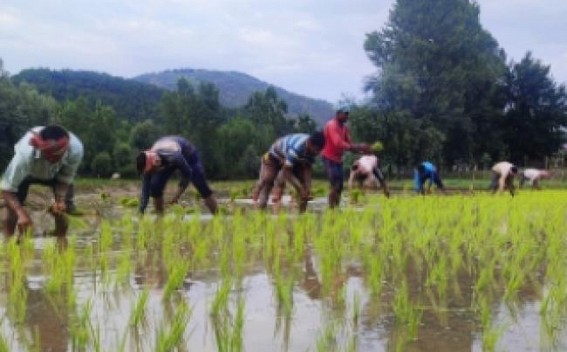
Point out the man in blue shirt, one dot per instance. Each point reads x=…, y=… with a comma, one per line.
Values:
x=427, y=171
x=48, y=156
x=294, y=155
x=158, y=164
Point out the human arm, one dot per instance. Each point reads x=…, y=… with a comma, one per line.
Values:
x=287, y=174
x=24, y=220
x=59, y=191
x=145, y=193
x=186, y=174
x=418, y=182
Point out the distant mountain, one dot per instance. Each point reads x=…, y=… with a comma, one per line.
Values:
x=137, y=99
x=235, y=88
x=132, y=100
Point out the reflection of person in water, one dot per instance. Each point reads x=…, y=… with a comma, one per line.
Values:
x=310, y=283
x=47, y=317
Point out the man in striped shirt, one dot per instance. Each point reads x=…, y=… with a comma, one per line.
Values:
x=294, y=155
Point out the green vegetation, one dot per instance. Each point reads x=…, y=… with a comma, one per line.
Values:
x=401, y=263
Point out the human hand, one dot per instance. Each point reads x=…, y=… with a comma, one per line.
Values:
x=24, y=223
x=363, y=148
x=58, y=208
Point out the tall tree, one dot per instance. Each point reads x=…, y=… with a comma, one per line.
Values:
x=268, y=109
x=438, y=65
x=536, y=112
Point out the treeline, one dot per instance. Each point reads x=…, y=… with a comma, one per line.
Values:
x=230, y=140
x=444, y=91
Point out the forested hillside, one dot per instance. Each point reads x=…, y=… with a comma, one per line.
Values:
x=235, y=88
x=138, y=99
x=130, y=99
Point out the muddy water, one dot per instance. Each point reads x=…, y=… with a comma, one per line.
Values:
x=267, y=326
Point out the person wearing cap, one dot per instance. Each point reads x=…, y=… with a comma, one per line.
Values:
x=533, y=176
x=337, y=141
x=291, y=157
x=157, y=165
x=426, y=171
x=366, y=172
x=48, y=156
x=503, y=174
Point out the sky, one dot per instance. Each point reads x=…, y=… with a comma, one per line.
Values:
x=309, y=47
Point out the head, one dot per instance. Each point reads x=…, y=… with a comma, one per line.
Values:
x=315, y=143
x=514, y=170
x=148, y=161
x=52, y=142
x=342, y=114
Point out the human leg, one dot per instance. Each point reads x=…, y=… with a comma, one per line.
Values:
x=270, y=169
x=336, y=179
x=279, y=187
x=70, y=199
x=200, y=183
x=10, y=221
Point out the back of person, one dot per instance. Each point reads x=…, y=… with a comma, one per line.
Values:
x=502, y=168
x=292, y=148
x=367, y=163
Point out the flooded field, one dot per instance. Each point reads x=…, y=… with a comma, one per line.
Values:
x=409, y=273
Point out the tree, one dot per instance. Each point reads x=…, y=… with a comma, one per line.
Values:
x=144, y=134
x=536, y=111
x=438, y=65
x=102, y=165
x=268, y=109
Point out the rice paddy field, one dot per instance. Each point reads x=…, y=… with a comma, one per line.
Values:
x=467, y=271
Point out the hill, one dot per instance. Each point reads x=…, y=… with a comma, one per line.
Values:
x=138, y=98
x=235, y=88
x=132, y=100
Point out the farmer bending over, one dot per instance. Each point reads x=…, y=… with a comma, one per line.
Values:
x=48, y=156
x=157, y=165
x=427, y=171
x=366, y=172
x=294, y=155
x=533, y=176
x=503, y=174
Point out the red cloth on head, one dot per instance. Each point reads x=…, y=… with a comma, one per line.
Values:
x=49, y=147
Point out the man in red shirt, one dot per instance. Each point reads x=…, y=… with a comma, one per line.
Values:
x=337, y=141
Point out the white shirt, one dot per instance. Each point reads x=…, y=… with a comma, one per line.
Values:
x=27, y=161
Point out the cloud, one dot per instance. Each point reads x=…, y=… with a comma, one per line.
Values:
x=312, y=47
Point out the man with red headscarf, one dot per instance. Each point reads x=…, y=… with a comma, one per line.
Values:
x=49, y=156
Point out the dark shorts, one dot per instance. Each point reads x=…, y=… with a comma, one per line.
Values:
x=335, y=173
x=24, y=187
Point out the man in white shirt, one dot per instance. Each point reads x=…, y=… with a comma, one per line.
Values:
x=366, y=172
x=48, y=156
x=503, y=174
x=533, y=176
